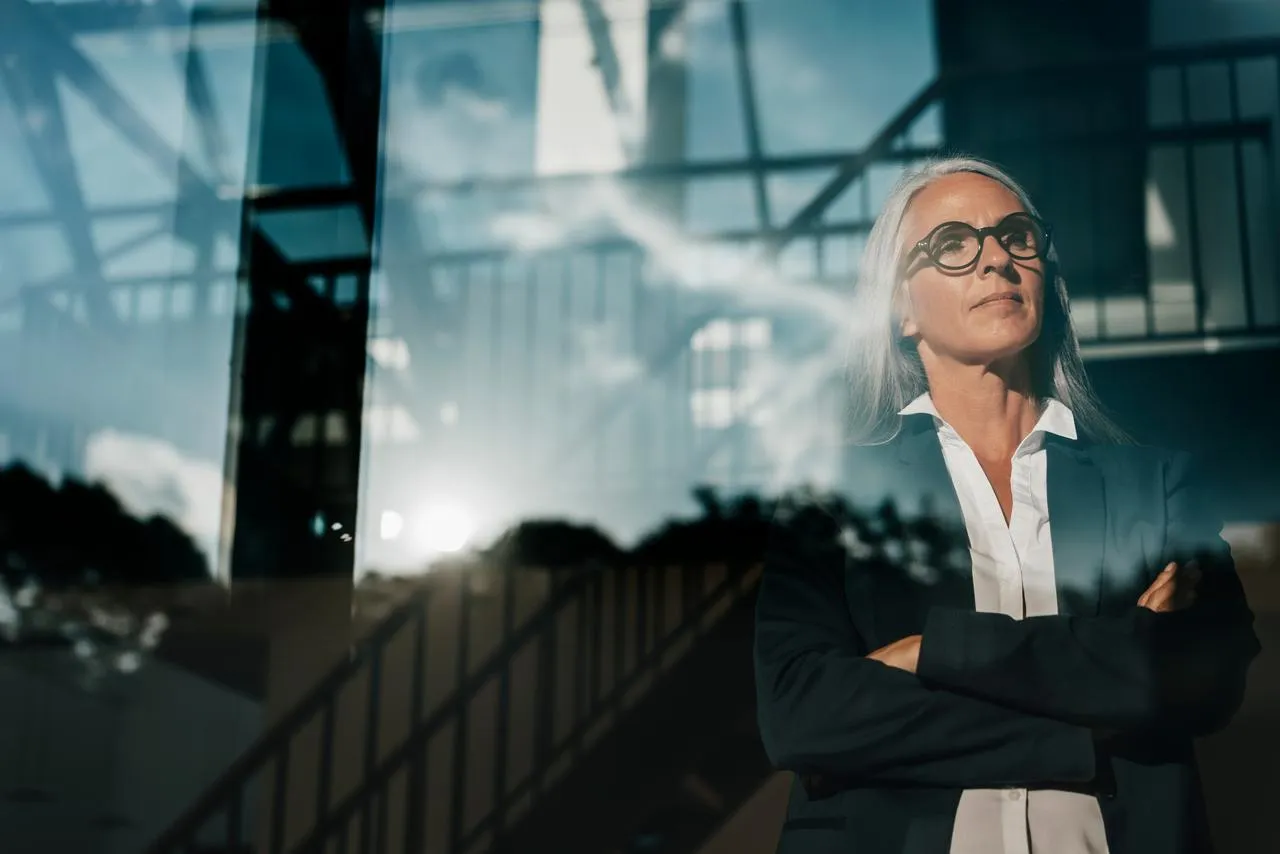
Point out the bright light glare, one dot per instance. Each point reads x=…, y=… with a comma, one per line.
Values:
x=391, y=525
x=446, y=527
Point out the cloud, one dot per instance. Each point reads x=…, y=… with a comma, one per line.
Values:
x=462, y=134
x=151, y=477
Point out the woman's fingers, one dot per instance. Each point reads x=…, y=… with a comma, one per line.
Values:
x=1161, y=588
x=1160, y=601
x=1173, y=589
x=1155, y=585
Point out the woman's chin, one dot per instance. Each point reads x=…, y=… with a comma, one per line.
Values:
x=1005, y=339
x=990, y=352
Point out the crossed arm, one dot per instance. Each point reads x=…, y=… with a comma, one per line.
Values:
x=1179, y=671
x=826, y=710
x=996, y=702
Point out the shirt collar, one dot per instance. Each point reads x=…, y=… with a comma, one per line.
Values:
x=1056, y=417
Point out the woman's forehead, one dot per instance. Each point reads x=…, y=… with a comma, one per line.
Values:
x=965, y=197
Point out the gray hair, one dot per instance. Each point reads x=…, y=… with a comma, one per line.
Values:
x=884, y=369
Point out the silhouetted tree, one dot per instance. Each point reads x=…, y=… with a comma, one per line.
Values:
x=76, y=534
x=62, y=548
x=554, y=545
x=734, y=531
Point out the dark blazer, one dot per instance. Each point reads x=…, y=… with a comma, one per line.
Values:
x=1105, y=697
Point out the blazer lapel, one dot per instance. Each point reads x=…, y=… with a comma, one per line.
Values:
x=1077, y=516
x=926, y=481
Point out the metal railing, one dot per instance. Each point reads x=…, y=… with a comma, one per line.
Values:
x=552, y=684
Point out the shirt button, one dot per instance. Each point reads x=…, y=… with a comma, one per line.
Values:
x=1015, y=794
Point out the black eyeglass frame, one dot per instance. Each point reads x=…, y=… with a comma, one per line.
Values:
x=922, y=246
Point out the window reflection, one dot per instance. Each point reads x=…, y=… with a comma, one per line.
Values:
x=572, y=205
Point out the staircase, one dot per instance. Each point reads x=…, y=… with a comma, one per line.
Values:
x=675, y=766
x=588, y=679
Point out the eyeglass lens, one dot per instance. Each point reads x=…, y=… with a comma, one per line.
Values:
x=958, y=244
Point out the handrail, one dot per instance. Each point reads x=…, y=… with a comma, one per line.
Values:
x=734, y=586
x=266, y=745
x=416, y=741
x=224, y=794
x=277, y=736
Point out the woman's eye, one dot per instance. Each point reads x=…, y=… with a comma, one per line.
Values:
x=1023, y=240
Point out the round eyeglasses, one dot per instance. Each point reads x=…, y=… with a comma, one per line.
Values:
x=955, y=246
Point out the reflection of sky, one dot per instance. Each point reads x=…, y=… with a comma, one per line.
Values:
x=828, y=74
x=461, y=102
x=817, y=93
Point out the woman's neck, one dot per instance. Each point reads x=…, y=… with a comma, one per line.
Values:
x=993, y=410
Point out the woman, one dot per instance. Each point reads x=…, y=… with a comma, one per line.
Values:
x=1042, y=694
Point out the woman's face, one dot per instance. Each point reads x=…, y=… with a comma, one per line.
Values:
x=955, y=315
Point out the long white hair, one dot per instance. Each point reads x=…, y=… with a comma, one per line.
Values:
x=884, y=368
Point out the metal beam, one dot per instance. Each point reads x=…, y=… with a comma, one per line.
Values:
x=750, y=117
x=402, y=188
x=881, y=147
x=199, y=225
x=32, y=88
x=199, y=94
x=61, y=54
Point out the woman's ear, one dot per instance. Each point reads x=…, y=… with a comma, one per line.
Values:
x=907, y=326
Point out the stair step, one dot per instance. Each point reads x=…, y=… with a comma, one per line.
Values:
x=662, y=779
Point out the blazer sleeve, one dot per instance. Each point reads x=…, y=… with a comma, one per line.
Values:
x=1182, y=671
x=825, y=711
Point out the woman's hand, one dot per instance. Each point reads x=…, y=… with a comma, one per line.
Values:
x=1173, y=589
x=902, y=654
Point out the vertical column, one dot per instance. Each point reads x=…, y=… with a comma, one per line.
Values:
x=592, y=82
x=307, y=242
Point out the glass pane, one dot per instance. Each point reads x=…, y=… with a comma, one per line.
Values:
x=116, y=179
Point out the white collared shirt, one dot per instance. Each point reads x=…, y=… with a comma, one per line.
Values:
x=1013, y=575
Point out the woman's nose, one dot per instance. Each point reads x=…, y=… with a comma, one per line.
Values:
x=992, y=256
